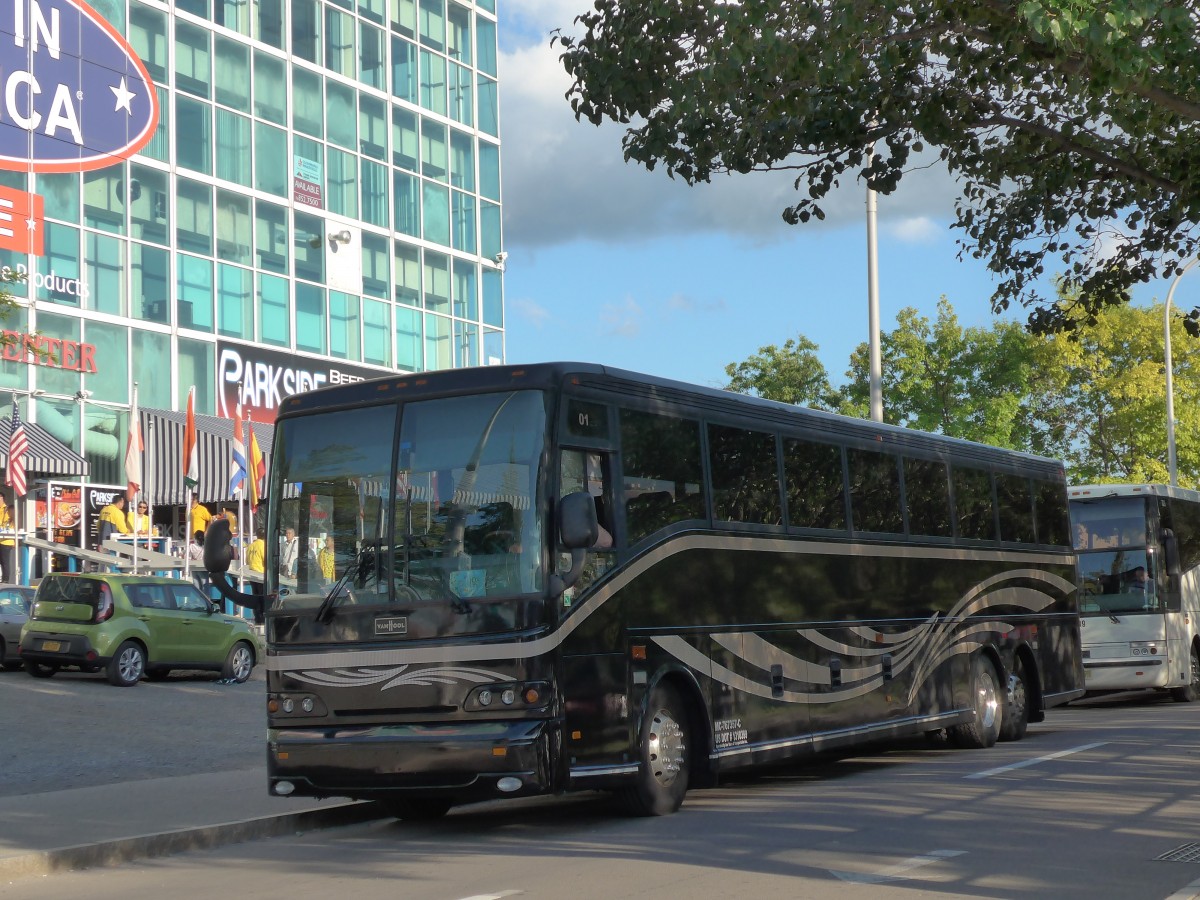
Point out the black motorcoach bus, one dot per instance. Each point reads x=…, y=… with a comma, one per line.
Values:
x=528, y=580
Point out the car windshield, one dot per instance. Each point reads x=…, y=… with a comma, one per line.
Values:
x=447, y=532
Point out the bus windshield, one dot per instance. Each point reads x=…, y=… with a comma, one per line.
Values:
x=1115, y=567
x=445, y=522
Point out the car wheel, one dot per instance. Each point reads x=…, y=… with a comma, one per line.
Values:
x=1190, y=693
x=127, y=666
x=40, y=670
x=1016, y=708
x=664, y=754
x=239, y=663
x=984, y=729
x=418, y=809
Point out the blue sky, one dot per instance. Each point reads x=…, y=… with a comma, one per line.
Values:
x=609, y=263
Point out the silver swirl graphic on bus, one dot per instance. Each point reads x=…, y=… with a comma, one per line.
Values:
x=920, y=649
x=398, y=676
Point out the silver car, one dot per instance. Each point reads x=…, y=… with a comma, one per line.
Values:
x=15, y=602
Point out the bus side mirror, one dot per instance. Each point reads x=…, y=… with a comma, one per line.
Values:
x=218, y=556
x=218, y=546
x=578, y=529
x=1170, y=552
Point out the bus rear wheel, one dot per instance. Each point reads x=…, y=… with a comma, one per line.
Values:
x=989, y=708
x=1190, y=692
x=664, y=756
x=1016, y=708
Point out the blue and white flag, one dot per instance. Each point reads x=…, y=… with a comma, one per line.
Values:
x=237, y=472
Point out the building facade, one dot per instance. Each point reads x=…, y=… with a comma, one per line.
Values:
x=318, y=199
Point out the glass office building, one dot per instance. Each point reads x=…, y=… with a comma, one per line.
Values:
x=323, y=183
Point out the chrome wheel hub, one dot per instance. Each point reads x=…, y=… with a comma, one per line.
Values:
x=666, y=747
x=986, y=699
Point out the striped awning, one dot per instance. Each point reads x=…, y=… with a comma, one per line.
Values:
x=163, y=431
x=47, y=454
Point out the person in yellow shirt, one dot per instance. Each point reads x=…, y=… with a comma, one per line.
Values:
x=231, y=517
x=198, y=516
x=256, y=553
x=139, y=522
x=326, y=560
x=113, y=519
x=8, y=546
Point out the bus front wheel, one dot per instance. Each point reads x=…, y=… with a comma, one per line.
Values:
x=664, y=756
x=984, y=729
x=1190, y=692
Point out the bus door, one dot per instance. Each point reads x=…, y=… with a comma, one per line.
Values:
x=594, y=664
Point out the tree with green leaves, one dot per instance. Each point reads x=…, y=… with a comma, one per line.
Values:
x=790, y=374
x=1072, y=126
x=1094, y=397
x=938, y=376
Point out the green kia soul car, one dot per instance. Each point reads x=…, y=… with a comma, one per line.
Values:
x=130, y=626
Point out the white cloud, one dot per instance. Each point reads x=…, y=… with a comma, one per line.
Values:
x=621, y=320
x=916, y=230
x=685, y=304
x=566, y=180
x=530, y=312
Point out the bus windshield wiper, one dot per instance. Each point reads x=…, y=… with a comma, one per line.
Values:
x=325, y=610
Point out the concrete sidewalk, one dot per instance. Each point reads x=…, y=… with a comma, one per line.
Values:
x=113, y=823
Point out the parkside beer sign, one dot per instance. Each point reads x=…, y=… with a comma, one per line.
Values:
x=73, y=94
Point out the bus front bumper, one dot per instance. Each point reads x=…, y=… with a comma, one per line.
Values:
x=460, y=762
x=1125, y=674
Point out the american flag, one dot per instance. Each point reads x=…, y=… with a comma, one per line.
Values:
x=18, y=446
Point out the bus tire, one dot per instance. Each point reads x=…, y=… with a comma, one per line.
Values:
x=418, y=809
x=1015, y=721
x=1190, y=692
x=664, y=756
x=983, y=730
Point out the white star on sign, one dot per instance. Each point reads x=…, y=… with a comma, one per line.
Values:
x=123, y=95
x=31, y=224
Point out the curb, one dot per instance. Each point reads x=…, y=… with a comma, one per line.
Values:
x=204, y=837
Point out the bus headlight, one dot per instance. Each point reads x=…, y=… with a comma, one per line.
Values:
x=527, y=695
x=295, y=705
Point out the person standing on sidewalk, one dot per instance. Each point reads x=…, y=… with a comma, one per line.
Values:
x=198, y=516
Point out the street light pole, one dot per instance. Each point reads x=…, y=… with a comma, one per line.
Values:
x=1168, y=365
x=873, y=303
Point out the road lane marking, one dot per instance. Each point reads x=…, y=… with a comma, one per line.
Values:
x=1033, y=762
x=897, y=872
x=499, y=896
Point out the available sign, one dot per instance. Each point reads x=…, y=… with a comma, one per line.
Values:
x=73, y=94
x=306, y=182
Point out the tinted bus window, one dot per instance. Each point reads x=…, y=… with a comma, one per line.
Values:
x=1015, y=500
x=1052, y=516
x=745, y=475
x=874, y=491
x=927, y=489
x=1185, y=521
x=816, y=492
x=973, y=504
x=662, y=478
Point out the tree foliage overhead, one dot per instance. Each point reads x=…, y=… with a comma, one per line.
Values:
x=1065, y=122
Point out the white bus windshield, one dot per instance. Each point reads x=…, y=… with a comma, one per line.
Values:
x=1115, y=566
x=449, y=526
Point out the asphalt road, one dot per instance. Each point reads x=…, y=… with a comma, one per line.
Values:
x=1101, y=801
x=77, y=730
